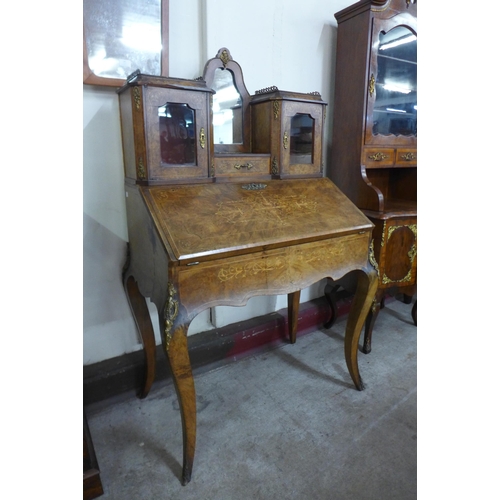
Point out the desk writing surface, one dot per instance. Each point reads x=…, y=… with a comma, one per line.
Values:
x=220, y=219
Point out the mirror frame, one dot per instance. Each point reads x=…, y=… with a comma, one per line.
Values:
x=90, y=78
x=224, y=60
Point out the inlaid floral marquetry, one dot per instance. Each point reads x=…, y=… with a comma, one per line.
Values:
x=239, y=217
x=264, y=207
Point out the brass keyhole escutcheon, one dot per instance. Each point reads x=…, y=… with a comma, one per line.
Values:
x=202, y=138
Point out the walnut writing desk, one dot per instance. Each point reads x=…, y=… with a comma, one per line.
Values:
x=206, y=230
x=194, y=247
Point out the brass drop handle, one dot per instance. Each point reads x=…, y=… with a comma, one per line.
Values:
x=378, y=156
x=408, y=156
x=244, y=165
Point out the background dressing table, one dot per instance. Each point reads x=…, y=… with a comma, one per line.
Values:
x=225, y=201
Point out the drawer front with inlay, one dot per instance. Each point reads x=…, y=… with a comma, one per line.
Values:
x=237, y=165
x=233, y=280
x=406, y=157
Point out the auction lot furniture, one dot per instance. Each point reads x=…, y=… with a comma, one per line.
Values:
x=216, y=223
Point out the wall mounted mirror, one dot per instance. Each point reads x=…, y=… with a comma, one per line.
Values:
x=121, y=36
x=230, y=104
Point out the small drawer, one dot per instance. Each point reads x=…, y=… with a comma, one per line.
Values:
x=244, y=164
x=406, y=157
x=378, y=157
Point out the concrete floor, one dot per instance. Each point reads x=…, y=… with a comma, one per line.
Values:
x=284, y=424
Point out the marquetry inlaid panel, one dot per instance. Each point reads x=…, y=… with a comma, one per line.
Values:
x=234, y=280
x=213, y=219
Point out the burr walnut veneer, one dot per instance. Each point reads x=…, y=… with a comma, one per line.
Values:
x=199, y=240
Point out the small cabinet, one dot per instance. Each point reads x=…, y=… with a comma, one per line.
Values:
x=289, y=125
x=165, y=129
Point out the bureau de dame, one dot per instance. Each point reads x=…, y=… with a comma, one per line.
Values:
x=226, y=200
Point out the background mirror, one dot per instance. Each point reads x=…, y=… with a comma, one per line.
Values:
x=121, y=36
x=395, y=110
x=227, y=109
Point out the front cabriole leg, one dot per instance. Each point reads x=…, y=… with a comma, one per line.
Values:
x=176, y=347
x=363, y=298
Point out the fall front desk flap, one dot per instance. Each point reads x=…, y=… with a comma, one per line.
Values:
x=203, y=220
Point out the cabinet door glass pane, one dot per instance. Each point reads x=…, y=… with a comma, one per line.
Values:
x=177, y=134
x=395, y=110
x=301, y=139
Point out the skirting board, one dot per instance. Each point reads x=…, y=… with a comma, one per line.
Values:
x=208, y=350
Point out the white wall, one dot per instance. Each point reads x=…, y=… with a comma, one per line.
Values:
x=290, y=44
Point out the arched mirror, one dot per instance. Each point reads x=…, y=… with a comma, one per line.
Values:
x=226, y=109
x=230, y=104
x=395, y=108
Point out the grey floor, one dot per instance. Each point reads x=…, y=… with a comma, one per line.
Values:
x=284, y=424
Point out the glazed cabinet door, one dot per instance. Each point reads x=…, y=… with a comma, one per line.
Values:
x=301, y=134
x=177, y=134
x=165, y=133
x=391, y=116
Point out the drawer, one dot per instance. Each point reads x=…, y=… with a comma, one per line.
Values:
x=406, y=157
x=242, y=165
x=378, y=157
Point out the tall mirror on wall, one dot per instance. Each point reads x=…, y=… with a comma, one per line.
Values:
x=230, y=104
x=395, y=108
x=122, y=36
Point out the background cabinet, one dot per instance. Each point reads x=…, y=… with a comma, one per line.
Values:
x=374, y=143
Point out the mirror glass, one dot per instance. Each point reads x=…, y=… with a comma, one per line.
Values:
x=177, y=134
x=227, y=109
x=395, y=109
x=122, y=36
x=301, y=138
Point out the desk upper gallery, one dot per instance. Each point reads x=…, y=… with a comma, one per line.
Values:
x=226, y=200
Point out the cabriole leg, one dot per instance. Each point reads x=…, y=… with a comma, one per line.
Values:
x=143, y=322
x=363, y=298
x=176, y=348
x=370, y=321
x=330, y=294
x=293, y=315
